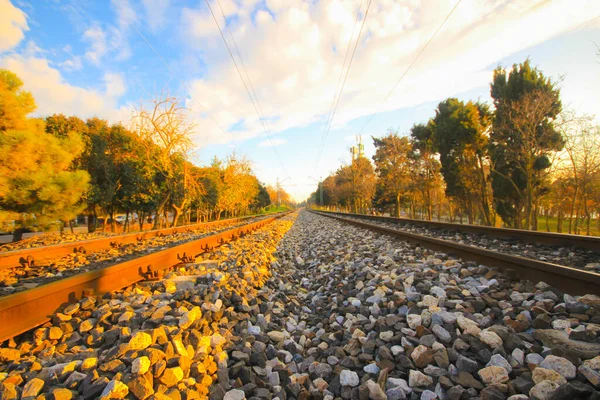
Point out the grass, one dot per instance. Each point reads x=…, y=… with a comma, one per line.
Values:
x=553, y=223
x=273, y=209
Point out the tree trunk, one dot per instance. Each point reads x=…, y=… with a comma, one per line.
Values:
x=91, y=221
x=126, y=223
x=573, y=202
x=141, y=219
x=397, y=206
x=559, y=222
x=113, y=224
x=484, y=196
x=18, y=233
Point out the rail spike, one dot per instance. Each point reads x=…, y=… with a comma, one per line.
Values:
x=79, y=249
x=26, y=262
x=150, y=274
x=185, y=259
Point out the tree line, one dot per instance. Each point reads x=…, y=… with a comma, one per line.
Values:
x=510, y=163
x=59, y=167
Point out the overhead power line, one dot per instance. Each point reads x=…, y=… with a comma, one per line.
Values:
x=255, y=102
x=411, y=65
x=336, y=97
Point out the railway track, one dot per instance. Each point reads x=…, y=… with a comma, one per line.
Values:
x=314, y=307
x=568, y=279
x=37, y=255
x=550, y=238
x=46, y=264
x=23, y=311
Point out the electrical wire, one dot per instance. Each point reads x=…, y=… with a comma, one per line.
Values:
x=410, y=65
x=330, y=121
x=254, y=102
x=337, y=87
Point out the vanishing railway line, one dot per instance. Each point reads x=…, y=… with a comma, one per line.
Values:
x=310, y=305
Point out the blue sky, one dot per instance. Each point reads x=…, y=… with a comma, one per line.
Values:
x=101, y=57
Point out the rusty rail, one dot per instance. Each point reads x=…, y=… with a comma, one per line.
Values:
x=550, y=238
x=36, y=255
x=23, y=311
x=570, y=280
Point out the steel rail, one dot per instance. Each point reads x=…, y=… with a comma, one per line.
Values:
x=550, y=238
x=570, y=280
x=37, y=255
x=23, y=311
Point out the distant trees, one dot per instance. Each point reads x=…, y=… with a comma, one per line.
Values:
x=580, y=173
x=393, y=164
x=526, y=158
x=352, y=187
x=55, y=168
x=278, y=196
x=37, y=185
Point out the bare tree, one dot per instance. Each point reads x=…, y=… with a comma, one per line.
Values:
x=582, y=149
x=165, y=128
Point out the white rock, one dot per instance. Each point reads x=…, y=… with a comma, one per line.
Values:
x=349, y=378
x=413, y=320
x=372, y=369
x=418, y=379
x=235, y=394
x=399, y=382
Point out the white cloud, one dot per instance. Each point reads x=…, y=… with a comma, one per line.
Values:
x=288, y=52
x=272, y=143
x=115, y=84
x=156, y=12
x=96, y=36
x=126, y=15
x=107, y=41
x=13, y=23
x=73, y=64
x=54, y=95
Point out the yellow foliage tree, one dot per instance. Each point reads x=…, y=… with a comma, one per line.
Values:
x=36, y=183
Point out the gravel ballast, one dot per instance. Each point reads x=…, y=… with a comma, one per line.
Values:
x=353, y=314
x=335, y=312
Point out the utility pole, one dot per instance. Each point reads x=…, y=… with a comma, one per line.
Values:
x=278, y=200
x=279, y=189
x=321, y=189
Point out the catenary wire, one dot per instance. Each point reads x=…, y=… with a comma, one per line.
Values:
x=328, y=128
x=246, y=87
x=335, y=93
x=410, y=66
